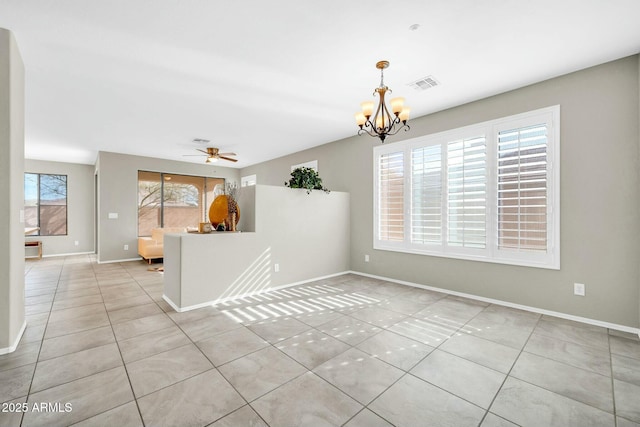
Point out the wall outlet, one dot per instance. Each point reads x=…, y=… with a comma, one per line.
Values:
x=113, y=215
x=76, y=243
x=366, y=258
x=578, y=289
x=126, y=247
x=276, y=267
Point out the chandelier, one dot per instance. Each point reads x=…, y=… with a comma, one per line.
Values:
x=383, y=122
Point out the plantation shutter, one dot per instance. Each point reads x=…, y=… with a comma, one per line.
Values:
x=391, y=196
x=522, y=189
x=426, y=197
x=467, y=193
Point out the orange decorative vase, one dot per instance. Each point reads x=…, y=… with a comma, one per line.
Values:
x=219, y=211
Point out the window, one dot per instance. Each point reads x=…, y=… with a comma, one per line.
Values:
x=486, y=192
x=248, y=181
x=171, y=200
x=45, y=204
x=313, y=164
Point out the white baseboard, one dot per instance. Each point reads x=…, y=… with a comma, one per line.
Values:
x=68, y=254
x=13, y=347
x=111, y=261
x=223, y=300
x=509, y=304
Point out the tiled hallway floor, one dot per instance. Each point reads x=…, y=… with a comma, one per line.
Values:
x=347, y=351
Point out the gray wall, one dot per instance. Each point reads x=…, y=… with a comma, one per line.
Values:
x=80, y=207
x=118, y=193
x=600, y=197
x=11, y=191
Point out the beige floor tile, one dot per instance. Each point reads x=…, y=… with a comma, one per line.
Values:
x=528, y=405
x=196, y=401
x=244, y=416
x=127, y=302
x=627, y=400
x=481, y=351
x=11, y=415
x=470, y=381
x=152, y=343
x=578, y=384
x=126, y=415
x=141, y=326
x=359, y=374
x=306, y=401
x=133, y=313
x=208, y=327
x=366, y=418
x=76, y=312
x=79, y=324
x=349, y=330
x=411, y=401
x=25, y=354
x=260, y=372
x=594, y=359
x=312, y=348
x=62, y=304
x=70, y=367
x=161, y=370
x=72, y=343
x=14, y=383
x=231, y=345
x=88, y=396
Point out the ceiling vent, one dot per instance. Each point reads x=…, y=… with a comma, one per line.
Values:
x=424, y=83
x=201, y=141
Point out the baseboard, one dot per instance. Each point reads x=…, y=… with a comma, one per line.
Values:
x=68, y=254
x=12, y=348
x=586, y=320
x=223, y=300
x=111, y=261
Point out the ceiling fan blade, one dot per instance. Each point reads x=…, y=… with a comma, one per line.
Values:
x=228, y=158
x=191, y=155
x=227, y=154
x=202, y=151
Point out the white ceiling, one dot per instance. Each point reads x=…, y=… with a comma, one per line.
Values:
x=268, y=78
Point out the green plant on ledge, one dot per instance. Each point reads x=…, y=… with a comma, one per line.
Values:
x=306, y=178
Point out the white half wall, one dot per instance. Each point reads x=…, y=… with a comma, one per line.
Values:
x=298, y=237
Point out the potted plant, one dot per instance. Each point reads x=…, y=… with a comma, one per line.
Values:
x=306, y=178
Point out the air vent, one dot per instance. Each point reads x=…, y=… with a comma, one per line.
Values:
x=201, y=141
x=424, y=83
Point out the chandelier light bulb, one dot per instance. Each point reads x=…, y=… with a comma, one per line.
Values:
x=396, y=105
x=404, y=114
x=367, y=108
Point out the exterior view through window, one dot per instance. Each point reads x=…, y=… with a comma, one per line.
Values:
x=171, y=200
x=45, y=204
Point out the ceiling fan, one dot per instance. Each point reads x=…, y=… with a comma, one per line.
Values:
x=213, y=155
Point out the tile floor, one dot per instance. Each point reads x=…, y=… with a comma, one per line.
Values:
x=349, y=351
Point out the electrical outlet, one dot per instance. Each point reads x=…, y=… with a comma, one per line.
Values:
x=76, y=243
x=276, y=267
x=579, y=289
x=126, y=247
x=366, y=258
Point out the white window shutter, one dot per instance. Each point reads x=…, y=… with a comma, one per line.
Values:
x=522, y=189
x=426, y=197
x=467, y=192
x=391, y=197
